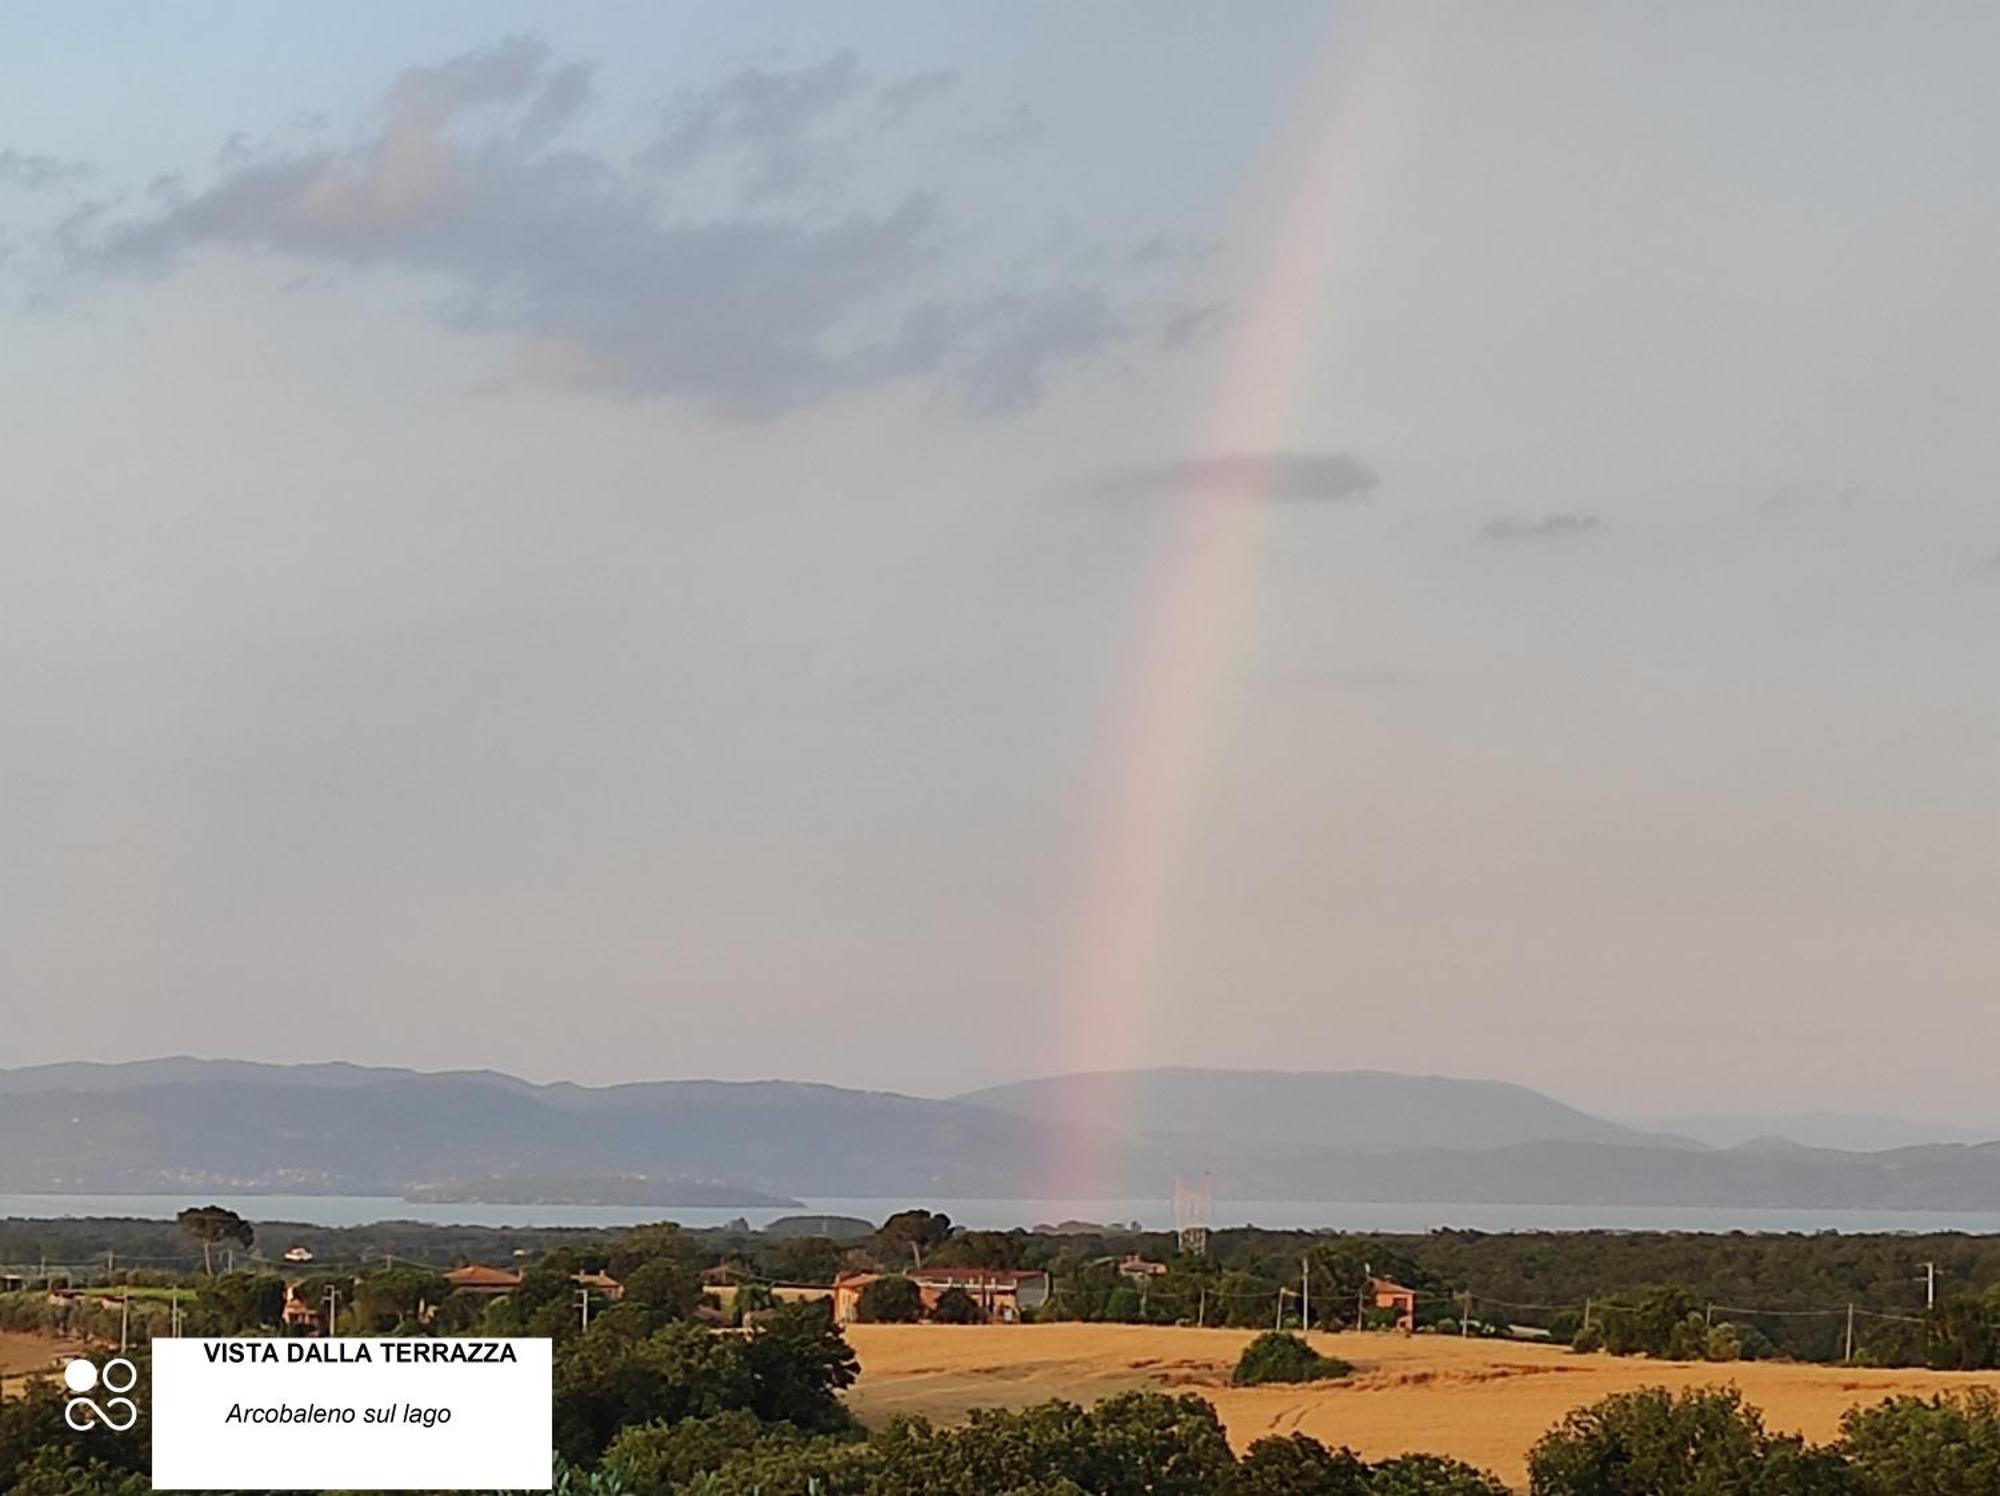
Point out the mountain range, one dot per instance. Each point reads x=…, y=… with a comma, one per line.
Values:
x=224, y=1126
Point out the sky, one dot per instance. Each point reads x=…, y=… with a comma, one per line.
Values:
x=917, y=546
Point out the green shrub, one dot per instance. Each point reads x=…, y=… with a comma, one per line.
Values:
x=893, y=1300
x=956, y=1307
x=1276, y=1356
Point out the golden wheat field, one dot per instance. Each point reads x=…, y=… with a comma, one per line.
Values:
x=1482, y=1401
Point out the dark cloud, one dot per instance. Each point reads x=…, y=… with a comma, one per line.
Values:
x=1323, y=477
x=610, y=282
x=1512, y=527
x=33, y=173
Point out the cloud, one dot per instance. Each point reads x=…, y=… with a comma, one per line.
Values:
x=1183, y=325
x=605, y=274
x=1321, y=477
x=898, y=99
x=1512, y=527
x=1163, y=249
x=1990, y=567
x=1356, y=680
x=33, y=173
x=769, y=118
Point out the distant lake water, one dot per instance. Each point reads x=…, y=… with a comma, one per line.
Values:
x=361, y=1210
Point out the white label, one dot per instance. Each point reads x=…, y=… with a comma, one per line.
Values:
x=351, y=1413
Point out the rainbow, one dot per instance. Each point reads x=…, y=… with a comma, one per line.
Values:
x=1164, y=719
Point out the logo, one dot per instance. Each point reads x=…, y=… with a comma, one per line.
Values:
x=118, y=1412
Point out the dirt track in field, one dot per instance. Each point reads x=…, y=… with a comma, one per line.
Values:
x=1482, y=1401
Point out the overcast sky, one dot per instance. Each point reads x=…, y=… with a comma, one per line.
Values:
x=615, y=541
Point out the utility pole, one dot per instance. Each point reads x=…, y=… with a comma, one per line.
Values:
x=584, y=1295
x=1279, y=1322
x=1587, y=1303
x=1361, y=1296
x=332, y=1312
x=1201, y=1308
x=1930, y=1300
x=1305, y=1294
x=124, y=1320
x=1708, y=1317
x=1465, y=1319
x=174, y=1311
x=1848, y=1358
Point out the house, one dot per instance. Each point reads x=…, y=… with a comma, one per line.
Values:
x=300, y=1317
x=1138, y=1268
x=1387, y=1293
x=601, y=1283
x=477, y=1278
x=298, y=1254
x=1003, y=1294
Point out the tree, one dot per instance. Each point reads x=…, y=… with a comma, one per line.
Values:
x=1277, y=1356
x=751, y=1298
x=956, y=1307
x=664, y=1285
x=396, y=1298
x=799, y=1364
x=211, y=1225
x=1431, y=1475
x=894, y=1300
x=808, y=1259
x=1299, y=1465
x=1948, y=1445
x=791, y=1371
x=1700, y=1442
x=233, y=1303
x=672, y=1456
x=914, y=1231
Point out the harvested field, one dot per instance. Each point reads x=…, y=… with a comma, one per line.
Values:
x=22, y=1354
x=1483, y=1401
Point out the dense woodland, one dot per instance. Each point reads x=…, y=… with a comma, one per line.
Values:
x=650, y=1400
x=1641, y=1292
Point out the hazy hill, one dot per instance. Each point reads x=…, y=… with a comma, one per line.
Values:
x=1850, y=1131
x=1366, y=1111
x=170, y=1125
x=195, y=1127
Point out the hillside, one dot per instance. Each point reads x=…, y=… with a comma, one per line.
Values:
x=206, y=1126
x=1361, y=1111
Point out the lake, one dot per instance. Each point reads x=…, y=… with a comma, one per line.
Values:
x=1157, y=1214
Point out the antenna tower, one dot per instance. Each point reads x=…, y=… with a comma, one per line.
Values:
x=1192, y=1203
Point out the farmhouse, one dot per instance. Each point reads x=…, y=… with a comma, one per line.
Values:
x=1389, y=1294
x=1002, y=1294
x=476, y=1278
x=301, y=1318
